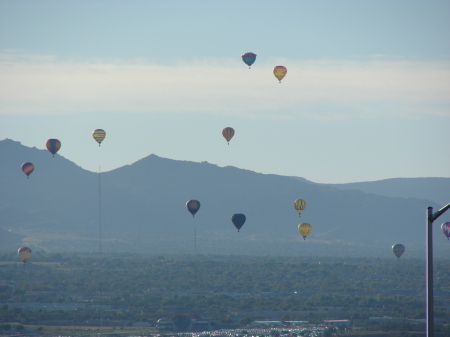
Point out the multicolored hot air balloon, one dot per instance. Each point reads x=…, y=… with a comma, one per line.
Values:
x=53, y=145
x=27, y=168
x=304, y=229
x=238, y=220
x=25, y=254
x=279, y=72
x=398, y=250
x=99, y=135
x=249, y=59
x=228, y=133
x=299, y=205
x=446, y=229
x=193, y=206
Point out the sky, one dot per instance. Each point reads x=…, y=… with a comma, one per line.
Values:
x=366, y=96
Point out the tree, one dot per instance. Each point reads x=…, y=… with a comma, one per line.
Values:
x=20, y=328
x=245, y=321
x=5, y=327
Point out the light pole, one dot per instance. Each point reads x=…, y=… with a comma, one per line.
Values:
x=430, y=305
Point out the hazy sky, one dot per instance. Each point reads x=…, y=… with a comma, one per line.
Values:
x=366, y=96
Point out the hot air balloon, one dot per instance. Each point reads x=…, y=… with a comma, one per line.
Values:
x=279, y=72
x=238, y=220
x=193, y=206
x=304, y=229
x=53, y=145
x=27, y=168
x=228, y=133
x=398, y=250
x=99, y=135
x=249, y=59
x=446, y=229
x=299, y=205
x=25, y=254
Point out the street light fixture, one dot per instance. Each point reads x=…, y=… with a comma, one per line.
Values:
x=429, y=282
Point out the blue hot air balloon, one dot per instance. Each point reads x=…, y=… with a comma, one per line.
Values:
x=249, y=59
x=193, y=206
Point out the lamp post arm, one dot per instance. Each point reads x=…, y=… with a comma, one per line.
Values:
x=438, y=213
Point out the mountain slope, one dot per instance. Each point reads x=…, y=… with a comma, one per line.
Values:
x=143, y=209
x=435, y=189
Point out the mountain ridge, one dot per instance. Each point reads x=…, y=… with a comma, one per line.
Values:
x=143, y=205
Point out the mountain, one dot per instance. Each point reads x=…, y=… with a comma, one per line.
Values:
x=435, y=189
x=141, y=208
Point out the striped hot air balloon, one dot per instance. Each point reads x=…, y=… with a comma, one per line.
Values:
x=446, y=229
x=299, y=205
x=99, y=135
x=27, y=168
x=53, y=145
x=228, y=133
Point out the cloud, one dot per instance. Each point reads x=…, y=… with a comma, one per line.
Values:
x=320, y=88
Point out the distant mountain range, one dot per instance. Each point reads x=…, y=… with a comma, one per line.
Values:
x=141, y=208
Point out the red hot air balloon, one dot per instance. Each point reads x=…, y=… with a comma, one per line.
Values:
x=27, y=168
x=24, y=254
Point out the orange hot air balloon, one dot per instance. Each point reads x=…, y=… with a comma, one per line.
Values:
x=279, y=72
x=228, y=133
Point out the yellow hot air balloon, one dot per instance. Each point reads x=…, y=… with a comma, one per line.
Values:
x=99, y=135
x=304, y=229
x=299, y=205
x=228, y=133
x=279, y=72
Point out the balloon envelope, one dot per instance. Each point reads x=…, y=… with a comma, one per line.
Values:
x=27, y=168
x=279, y=72
x=99, y=135
x=398, y=249
x=238, y=220
x=24, y=254
x=446, y=229
x=228, y=133
x=304, y=229
x=53, y=145
x=299, y=205
x=249, y=58
x=193, y=206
